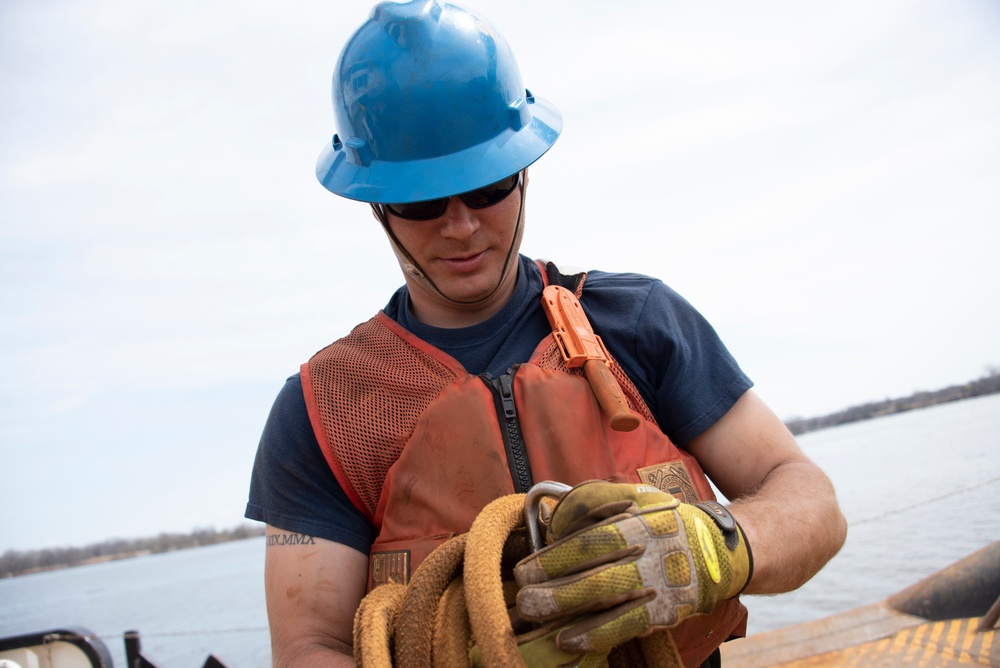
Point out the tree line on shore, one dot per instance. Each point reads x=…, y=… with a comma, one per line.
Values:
x=988, y=383
x=16, y=562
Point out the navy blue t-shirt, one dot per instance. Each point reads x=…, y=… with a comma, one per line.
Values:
x=672, y=354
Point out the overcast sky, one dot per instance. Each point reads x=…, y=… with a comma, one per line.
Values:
x=819, y=179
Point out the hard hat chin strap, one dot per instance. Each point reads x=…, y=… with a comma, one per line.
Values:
x=413, y=269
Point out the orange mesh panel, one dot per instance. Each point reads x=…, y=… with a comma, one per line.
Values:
x=370, y=388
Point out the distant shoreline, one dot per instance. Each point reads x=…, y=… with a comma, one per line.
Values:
x=14, y=562
x=987, y=384
x=85, y=562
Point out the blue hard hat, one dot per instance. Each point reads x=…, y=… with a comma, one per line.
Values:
x=429, y=103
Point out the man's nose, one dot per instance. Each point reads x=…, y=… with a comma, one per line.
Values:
x=459, y=221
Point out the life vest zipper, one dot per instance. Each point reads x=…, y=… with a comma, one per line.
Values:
x=510, y=427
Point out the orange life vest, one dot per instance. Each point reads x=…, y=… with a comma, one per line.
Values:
x=420, y=446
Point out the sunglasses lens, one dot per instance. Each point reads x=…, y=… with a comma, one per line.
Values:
x=425, y=210
x=491, y=194
x=475, y=199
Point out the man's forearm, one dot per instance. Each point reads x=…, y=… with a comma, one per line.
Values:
x=793, y=525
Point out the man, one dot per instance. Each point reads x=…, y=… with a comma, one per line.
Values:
x=391, y=439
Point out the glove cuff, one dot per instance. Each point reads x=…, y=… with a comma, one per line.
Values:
x=737, y=547
x=748, y=565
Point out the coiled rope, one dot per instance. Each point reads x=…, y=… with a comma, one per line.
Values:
x=458, y=599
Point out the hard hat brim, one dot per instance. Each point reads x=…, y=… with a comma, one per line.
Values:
x=384, y=182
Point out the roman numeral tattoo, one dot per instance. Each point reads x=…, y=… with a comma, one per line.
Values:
x=280, y=539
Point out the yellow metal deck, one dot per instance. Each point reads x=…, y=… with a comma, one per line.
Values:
x=932, y=624
x=871, y=636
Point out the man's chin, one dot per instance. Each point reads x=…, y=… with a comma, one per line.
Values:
x=467, y=298
x=470, y=291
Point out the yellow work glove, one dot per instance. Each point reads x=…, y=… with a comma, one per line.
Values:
x=538, y=649
x=631, y=559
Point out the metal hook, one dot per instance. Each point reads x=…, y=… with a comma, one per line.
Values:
x=531, y=502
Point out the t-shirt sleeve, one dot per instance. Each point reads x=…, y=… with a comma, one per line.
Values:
x=292, y=487
x=672, y=353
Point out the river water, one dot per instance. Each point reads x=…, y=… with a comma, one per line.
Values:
x=920, y=490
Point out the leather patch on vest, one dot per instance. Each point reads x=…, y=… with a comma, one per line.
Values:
x=389, y=567
x=670, y=477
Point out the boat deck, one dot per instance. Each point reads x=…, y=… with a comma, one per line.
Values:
x=875, y=635
x=932, y=624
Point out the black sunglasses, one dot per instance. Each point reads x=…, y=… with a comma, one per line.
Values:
x=480, y=198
